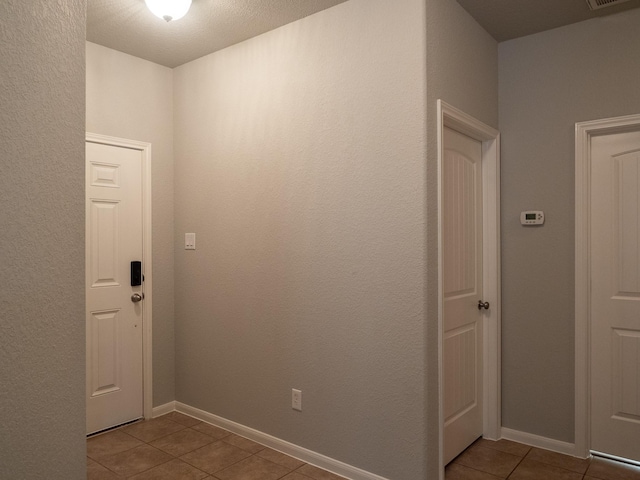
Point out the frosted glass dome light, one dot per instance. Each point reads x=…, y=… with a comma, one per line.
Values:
x=169, y=9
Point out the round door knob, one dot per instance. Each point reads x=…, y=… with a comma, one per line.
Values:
x=136, y=297
x=482, y=305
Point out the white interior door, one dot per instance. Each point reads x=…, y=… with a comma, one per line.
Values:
x=615, y=294
x=114, y=317
x=462, y=290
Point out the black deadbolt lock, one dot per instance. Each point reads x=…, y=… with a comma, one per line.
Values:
x=136, y=273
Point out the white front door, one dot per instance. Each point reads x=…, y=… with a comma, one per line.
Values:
x=615, y=294
x=114, y=316
x=462, y=289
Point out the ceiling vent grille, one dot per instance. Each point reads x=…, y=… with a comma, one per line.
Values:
x=596, y=4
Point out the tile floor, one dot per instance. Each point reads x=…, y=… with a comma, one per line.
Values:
x=179, y=447
x=487, y=460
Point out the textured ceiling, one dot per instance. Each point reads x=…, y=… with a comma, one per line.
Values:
x=507, y=19
x=210, y=25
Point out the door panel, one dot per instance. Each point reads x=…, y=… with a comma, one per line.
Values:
x=615, y=294
x=114, y=322
x=460, y=370
x=105, y=335
x=103, y=217
x=462, y=272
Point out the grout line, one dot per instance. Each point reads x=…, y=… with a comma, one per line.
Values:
x=516, y=467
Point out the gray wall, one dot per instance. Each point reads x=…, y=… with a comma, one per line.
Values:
x=548, y=82
x=42, y=333
x=462, y=70
x=301, y=170
x=132, y=98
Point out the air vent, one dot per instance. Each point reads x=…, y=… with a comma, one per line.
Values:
x=596, y=4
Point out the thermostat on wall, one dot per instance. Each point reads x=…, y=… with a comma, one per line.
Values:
x=532, y=217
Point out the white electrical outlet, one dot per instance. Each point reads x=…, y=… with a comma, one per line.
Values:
x=189, y=241
x=296, y=399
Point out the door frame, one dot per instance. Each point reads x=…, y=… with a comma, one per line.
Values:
x=449, y=116
x=147, y=344
x=584, y=131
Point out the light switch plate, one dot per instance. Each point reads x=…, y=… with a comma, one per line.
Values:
x=296, y=399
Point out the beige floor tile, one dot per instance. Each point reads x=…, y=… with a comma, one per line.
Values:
x=567, y=462
x=244, y=443
x=135, y=461
x=182, y=442
x=488, y=460
x=214, y=457
x=455, y=471
x=173, y=470
x=253, y=468
x=95, y=471
x=532, y=470
x=150, y=430
x=609, y=470
x=506, y=446
x=211, y=430
x=110, y=443
x=280, y=458
x=181, y=418
x=317, y=473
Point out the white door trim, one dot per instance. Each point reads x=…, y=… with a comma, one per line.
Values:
x=147, y=364
x=584, y=132
x=457, y=120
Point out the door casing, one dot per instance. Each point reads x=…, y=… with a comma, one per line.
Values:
x=456, y=119
x=147, y=365
x=583, y=133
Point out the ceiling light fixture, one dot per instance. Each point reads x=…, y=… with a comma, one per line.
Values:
x=169, y=9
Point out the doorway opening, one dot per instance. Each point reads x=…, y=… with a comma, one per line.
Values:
x=118, y=281
x=451, y=118
x=607, y=240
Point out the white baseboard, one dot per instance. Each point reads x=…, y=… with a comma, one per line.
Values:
x=307, y=456
x=538, y=441
x=163, y=409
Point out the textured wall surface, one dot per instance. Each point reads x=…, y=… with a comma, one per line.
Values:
x=548, y=82
x=462, y=70
x=132, y=98
x=42, y=333
x=301, y=170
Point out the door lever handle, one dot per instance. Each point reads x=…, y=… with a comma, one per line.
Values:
x=482, y=305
